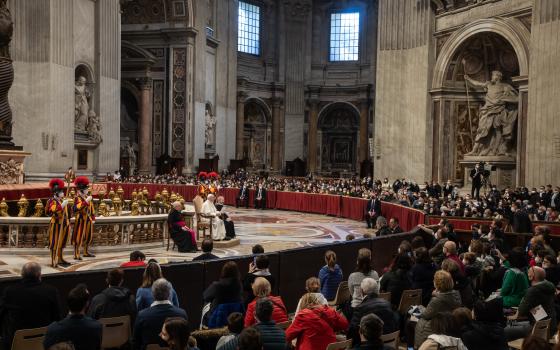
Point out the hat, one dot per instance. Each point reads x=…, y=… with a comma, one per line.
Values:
x=202, y=175
x=81, y=182
x=56, y=185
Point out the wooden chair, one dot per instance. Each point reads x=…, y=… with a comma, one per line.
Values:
x=342, y=294
x=340, y=345
x=29, y=339
x=410, y=297
x=386, y=296
x=391, y=339
x=155, y=347
x=284, y=325
x=116, y=331
x=540, y=329
x=201, y=224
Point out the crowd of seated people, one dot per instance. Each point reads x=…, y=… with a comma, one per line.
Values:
x=539, y=204
x=473, y=296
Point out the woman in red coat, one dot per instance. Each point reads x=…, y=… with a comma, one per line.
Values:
x=315, y=325
x=261, y=289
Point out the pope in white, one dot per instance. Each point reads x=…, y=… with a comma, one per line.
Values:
x=218, y=227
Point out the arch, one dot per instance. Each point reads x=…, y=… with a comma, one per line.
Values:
x=84, y=69
x=337, y=105
x=261, y=103
x=511, y=29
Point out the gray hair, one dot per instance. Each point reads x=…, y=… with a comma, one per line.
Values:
x=31, y=270
x=161, y=289
x=369, y=285
x=380, y=222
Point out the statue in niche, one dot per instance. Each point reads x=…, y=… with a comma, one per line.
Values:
x=94, y=127
x=131, y=154
x=497, y=118
x=81, y=110
x=210, y=132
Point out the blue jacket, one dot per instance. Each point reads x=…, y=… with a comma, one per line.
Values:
x=272, y=337
x=149, y=322
x=144, y=298
x=330, y=279
x=83, y=331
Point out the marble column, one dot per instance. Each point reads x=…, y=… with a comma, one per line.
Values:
x=276, y=143
x=240, y=123
x=364, y=112
x=312, y=135
x=145, y=127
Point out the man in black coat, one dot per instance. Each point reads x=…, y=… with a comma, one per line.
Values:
x=207, y=247
x=373, y=210
x=28, y=304
x=394, y=225
x=521, y=223
x=242, y=197
x=115, y=300
x=82, y=331
x=372, y=304
x=150, y=321
x=260, y=197
x=476, y=178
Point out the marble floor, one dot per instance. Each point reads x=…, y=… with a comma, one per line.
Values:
x=274, y=229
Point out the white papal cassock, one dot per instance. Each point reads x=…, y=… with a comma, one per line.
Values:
x=218, y=227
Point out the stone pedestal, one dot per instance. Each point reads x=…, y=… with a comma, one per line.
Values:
x=502, y=176
x=11, y=166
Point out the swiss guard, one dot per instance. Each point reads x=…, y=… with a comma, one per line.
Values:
x=203, y=187
x=85, y=217
x=59, y=226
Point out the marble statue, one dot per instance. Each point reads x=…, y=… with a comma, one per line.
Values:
x=6, y=74
x=94, y=127
x=497, y=118
x=131, y=158
x=81, y=111
x=210, y=132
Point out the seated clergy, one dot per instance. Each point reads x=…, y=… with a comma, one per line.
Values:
x=183, y=236
x=218, y=227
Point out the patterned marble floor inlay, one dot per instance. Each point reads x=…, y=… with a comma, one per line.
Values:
x=275, y=230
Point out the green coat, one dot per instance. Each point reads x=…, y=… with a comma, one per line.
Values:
x=514, y=286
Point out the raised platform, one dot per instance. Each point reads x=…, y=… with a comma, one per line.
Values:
x=275, y=230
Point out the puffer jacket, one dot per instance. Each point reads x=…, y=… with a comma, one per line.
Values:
x=437, y=341
x=442, y=302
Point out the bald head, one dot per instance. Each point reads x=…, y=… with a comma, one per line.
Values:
x=449, y=248
x=211, y=197
x=177, y=205
x=31, y=270
x=536, y=274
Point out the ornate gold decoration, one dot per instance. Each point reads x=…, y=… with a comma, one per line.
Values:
x=39, y=209
x=4, y=208
x=23, y=204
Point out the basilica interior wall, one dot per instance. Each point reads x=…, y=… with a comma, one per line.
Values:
x=404, y=63
x=51, y=38
x=543, y=124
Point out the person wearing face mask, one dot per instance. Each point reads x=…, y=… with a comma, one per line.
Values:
x=85, y=218
x=59, y=226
